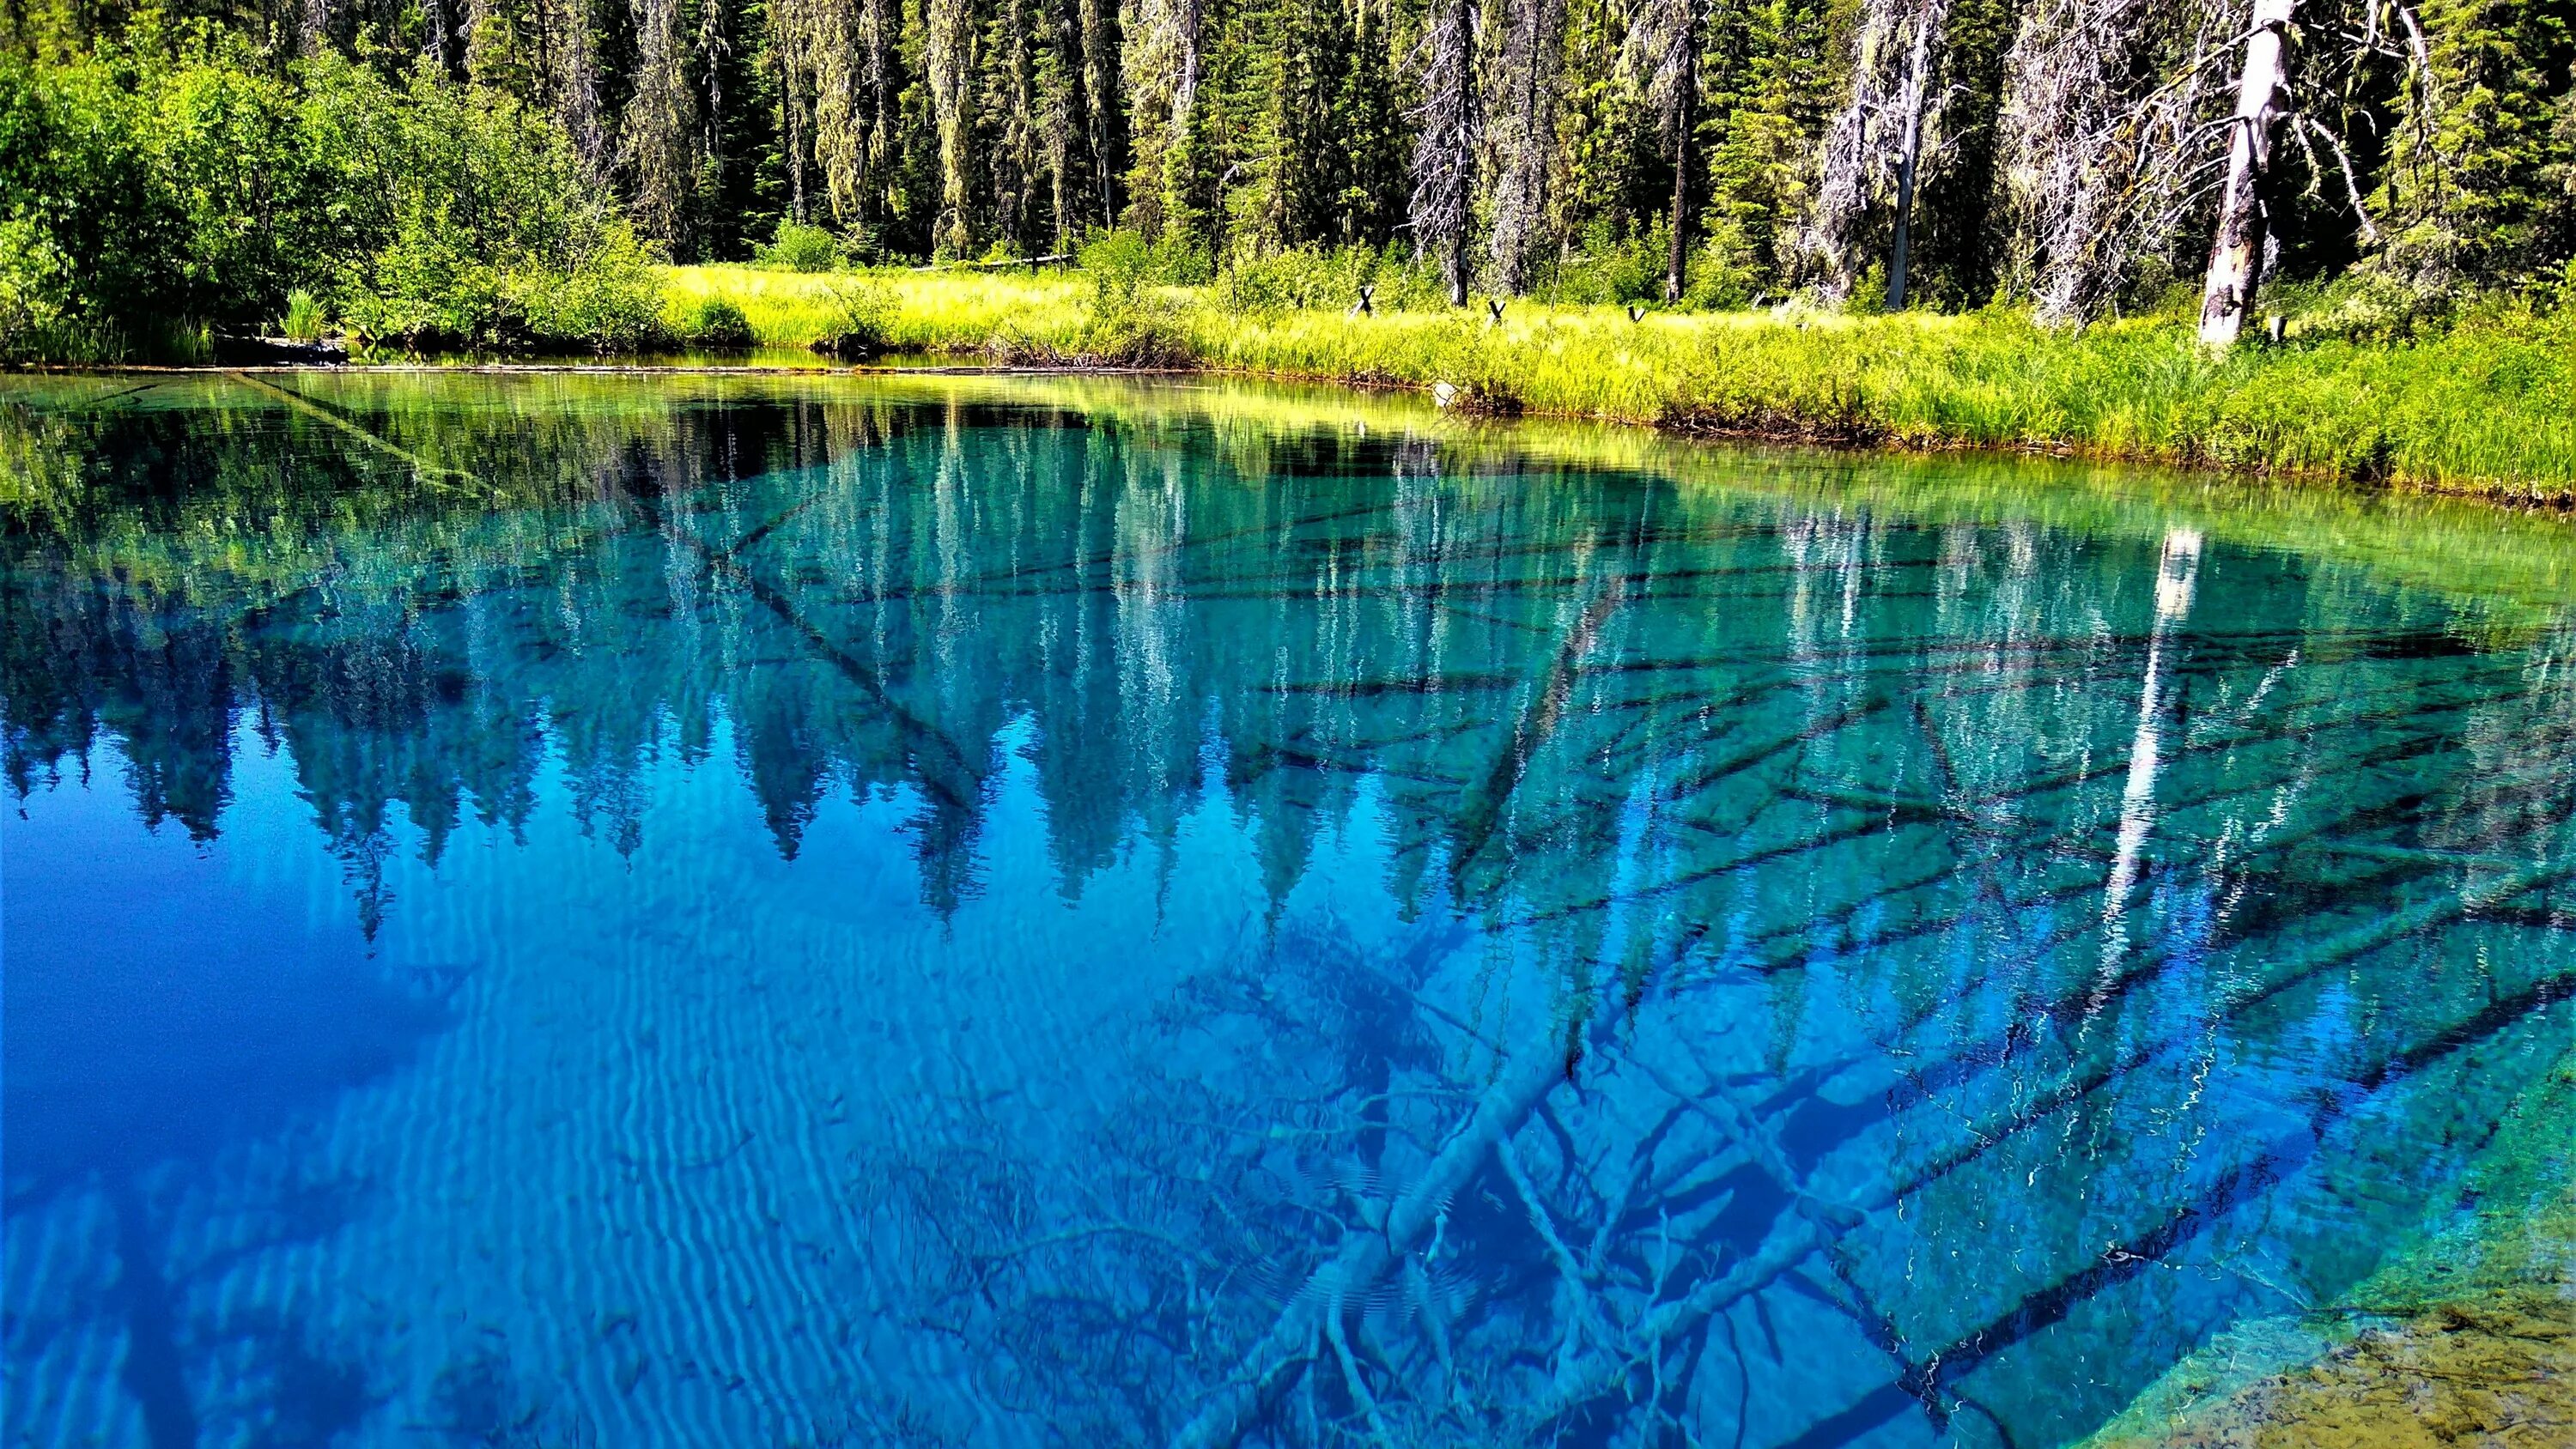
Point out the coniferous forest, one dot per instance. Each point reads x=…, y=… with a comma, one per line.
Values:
x=2071, y=154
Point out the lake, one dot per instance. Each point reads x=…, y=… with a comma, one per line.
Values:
x=683, y=910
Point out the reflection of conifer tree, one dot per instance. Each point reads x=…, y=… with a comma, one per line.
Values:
x=157, y=678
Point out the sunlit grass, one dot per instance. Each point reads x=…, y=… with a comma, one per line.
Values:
x=2488, y=407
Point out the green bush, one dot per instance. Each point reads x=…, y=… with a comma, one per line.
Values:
x=198, y=185
x=1610, y=267
x=1120, y=265
x=1314, y=280
x=800, y=249
x=715, y=322
x=304, y=320
x=1299, y=280
x=861, y=318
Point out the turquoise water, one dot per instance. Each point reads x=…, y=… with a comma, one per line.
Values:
x=835, y=914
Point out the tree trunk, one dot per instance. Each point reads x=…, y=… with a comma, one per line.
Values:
x=1444, y=152
x=1685, y=125
x=2229, y=294
x=791, y=106
x=1917, y=82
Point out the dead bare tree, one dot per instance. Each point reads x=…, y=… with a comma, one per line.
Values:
x=1875, y=143
x=2103, y=128
x=1444, y=155
x=2228, y=293
x=1521, y=128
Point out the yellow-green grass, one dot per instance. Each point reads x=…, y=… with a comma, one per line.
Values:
x=2487, y=408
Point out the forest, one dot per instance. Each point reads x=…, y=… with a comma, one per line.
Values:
x=2070, y=154
x=588, y=175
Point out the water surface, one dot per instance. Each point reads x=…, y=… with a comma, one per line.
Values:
x=821, y=911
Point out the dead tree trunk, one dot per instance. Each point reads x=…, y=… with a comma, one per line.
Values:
x=1444, y=156
x=1522, y=127
x=2229, y=293
x=1663, y=52
x=1685, y=120
x=1908, y=157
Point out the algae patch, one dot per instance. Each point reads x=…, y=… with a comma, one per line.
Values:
x=2468, y=1340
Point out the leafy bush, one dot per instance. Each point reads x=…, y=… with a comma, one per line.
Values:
x=715, y=322
x=1609, y=268
x=859, y=318
x=1299, y=280
x=1120, y=264
x=499, y=238
x=196, y=184
x=800, y=249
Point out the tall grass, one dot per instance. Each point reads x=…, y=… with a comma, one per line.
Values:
x=2486, y=407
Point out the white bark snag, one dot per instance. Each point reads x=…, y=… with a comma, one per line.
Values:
x=2229, y=294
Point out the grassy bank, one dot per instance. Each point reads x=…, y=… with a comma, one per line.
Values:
x=2487, y=407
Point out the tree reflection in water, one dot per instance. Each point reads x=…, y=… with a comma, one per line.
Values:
x=1711, y=967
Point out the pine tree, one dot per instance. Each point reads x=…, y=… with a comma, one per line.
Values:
x=2477, y=182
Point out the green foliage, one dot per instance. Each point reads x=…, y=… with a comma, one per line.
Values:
x=199, y=188
x=1329, y=280
x=305, y=320
x=714, y=322
x=800, y=249
x=162, y=178
x=858, y=318
x=2482, y=178
x=1611, y=267
x=2485, y=405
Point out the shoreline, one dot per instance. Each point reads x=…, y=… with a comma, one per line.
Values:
x=2471, y=1328
x=1847, y=438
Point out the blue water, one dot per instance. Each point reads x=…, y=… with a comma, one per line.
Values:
x=830, y=914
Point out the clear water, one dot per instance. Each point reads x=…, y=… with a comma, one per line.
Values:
x=832, y=912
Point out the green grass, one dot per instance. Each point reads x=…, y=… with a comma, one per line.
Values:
x=2488, y=407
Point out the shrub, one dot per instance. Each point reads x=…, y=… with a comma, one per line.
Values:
x=714, y=322
x=1609, y=267
x=858, y=320
x=1299, y=280
x=196, y=183
x=1119, y=264
x=304, y=320
x=799, y=248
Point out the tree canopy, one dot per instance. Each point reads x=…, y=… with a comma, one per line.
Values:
x=2064, y=153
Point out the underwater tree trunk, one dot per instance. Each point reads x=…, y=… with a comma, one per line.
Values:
x=2228, y=293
